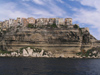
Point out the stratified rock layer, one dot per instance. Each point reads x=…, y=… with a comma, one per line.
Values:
x=59, y=41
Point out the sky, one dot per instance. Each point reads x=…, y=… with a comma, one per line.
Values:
x=86, y=13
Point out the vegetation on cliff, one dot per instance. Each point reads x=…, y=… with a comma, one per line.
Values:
x=42, y=26
x=76, y=26
x=89, y=53
x=26, y=52
x=5, y=51
x=48, y=36
x=31, y=26
x=33, y=48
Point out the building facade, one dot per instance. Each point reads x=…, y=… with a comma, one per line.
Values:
x=37, y=22
x=52, y=21
x=68, y=21
x=24, y=22
x=46, y=21
x=31, y=20
x=5, y=25
x=11, y=22
x=0, y=26
x=19, y=21
x=61, y=21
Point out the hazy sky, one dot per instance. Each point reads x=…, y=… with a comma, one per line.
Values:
x=86, y=13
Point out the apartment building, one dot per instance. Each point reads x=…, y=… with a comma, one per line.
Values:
x=19, y=21
x=68, y=21
x=0, y=26
x=11, y=22
x=52, y=21
x=24, y=22
x=31, y=20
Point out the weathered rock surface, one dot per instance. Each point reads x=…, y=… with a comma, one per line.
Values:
x=59, y=41
x=27, y=52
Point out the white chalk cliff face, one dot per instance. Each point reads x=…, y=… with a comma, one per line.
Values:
x=35, y=52
x=30, y=52
x=25, y=52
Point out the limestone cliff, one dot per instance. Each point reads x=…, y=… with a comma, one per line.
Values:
x=62, y=41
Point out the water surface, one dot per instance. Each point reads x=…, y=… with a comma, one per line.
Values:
x=49, y=66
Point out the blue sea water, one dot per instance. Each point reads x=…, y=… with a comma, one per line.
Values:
x=49, y=66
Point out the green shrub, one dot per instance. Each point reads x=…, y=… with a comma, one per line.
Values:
x=79, y=53
x=64, y=26
x=30, y=26
x=4, y=32
x=21, y=50
x=5, y=51
x=53, y=26
x=86, y=53
x=37, y=50
x=76, y=26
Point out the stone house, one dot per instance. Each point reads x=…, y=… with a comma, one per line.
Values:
x=24, y=22
x=40, y=22
x=59, y=21
x=46, y=21
x=52, y=21
x=31, y=20
x=5, y=25
x=15, y=23
x=0, y=26
x=11, y=22
x=19, y=21
x=68, y=21
x=36, y=22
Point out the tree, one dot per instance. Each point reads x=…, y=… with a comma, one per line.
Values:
x=54, y=25
x=31, y=26
x=76, y=26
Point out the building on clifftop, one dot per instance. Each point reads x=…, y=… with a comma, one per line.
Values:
x=24, y=22
x=52, y=21
x=19, y=21
x=68, y=21
x=31, y=20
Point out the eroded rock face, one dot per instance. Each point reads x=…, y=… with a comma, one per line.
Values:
x=32, y=53
x=57, y=40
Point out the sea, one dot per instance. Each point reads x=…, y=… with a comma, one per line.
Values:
x=49, y=66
